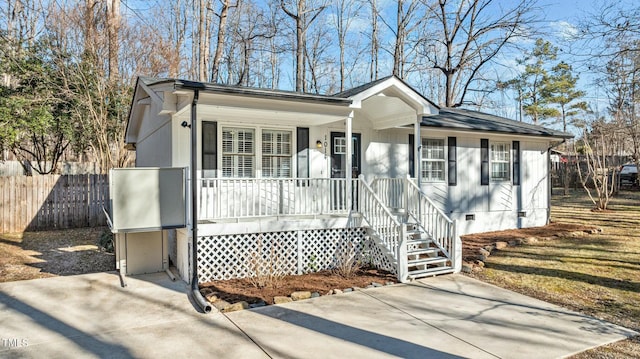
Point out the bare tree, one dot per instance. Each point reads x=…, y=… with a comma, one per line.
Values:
x=113, y=30
x=303, y=16
x=345, y=11
x=469, y=34
x=375, y=44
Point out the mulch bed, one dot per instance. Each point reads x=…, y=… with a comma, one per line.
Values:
x=235, y=290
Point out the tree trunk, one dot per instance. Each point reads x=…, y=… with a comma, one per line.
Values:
x=374, y=40
x=113, y=28
x=222, y=28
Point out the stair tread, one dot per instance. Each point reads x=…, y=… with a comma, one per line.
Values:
x=423, y=251
x=431, y=260
x=429, y=272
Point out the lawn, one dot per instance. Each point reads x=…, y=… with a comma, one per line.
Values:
x=597, y=274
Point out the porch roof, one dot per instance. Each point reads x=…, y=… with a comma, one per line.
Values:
x=461, y=119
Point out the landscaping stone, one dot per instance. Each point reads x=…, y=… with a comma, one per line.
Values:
x=577, y=234
x=482, y=258
x=479, y=263
x=376, y=284
x=337, y=291
x=389, y=283
x=211, y=297
x=490, y=248
x=484, y=252
x=512, y=243
x=477, y=269
x=236, y=307
x=467, y=268
x=221, y=304
x=519, y=241
x=281, y=300
x=315, y=295
x=330, y=292
x=530, y=240
x=301, y=295
x=501, y=245
x=348, y=290
x=205, y=291
x=369, y=286
x=261, y=303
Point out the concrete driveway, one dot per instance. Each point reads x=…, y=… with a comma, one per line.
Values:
x=444, y=317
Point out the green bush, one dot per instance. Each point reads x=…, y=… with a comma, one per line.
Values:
x=105, y=241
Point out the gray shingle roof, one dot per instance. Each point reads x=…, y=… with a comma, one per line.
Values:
x=247, y=91
x=462, y=119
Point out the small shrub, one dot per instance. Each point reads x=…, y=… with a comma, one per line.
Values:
x=105, y=241
x=266, y=266
x=347, y=260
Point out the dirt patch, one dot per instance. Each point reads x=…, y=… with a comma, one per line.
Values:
x=472, y=243
x=235, y=290
x=32, y=255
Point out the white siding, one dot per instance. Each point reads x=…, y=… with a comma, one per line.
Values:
x=153, y=148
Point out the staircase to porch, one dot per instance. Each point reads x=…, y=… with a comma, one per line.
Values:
x=425, y=239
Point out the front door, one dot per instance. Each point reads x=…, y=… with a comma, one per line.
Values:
x=339, y=152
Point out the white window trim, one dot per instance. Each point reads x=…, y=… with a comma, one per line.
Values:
x=509, y=161
x=257, y=170
x=443, y=160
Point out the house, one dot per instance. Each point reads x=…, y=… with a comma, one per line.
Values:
x=299, y=179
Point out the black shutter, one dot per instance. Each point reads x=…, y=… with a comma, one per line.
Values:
x=302, y=149
x=484, y=162
x=209, y=149
x=452, y=161
x=412, y=156
x=516, y=162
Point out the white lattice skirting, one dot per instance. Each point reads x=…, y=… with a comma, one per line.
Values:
x=287, y=252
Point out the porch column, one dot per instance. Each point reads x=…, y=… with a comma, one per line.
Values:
x=349, y=159
x=417, y=149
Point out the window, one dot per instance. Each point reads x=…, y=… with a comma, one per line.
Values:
x=432, y=159
x=500, y=161
x=276, y=153
x=238, y=155
x=340, y=145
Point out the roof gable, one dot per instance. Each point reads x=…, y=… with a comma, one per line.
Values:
x=391, y=86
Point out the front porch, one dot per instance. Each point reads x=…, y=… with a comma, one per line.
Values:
x=308, y=224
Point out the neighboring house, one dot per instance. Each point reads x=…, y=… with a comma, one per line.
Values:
x=302, y=181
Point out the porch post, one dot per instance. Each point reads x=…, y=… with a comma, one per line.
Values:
x=349, y=159
x=417, y=150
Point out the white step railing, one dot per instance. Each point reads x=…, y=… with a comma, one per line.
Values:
x=384, y=227
x=235, y=198
x=430, y=218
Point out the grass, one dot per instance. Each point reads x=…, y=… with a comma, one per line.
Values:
x=598, y=274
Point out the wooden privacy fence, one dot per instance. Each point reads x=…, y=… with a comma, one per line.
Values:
x=52, y=202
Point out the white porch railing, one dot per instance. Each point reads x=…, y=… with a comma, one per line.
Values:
x=390, y=191
x=385, y=228
x=235, y=198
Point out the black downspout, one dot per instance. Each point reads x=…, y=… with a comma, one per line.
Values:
x=550, y=182
x=195, y=291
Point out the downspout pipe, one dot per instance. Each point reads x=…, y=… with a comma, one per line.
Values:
x=550, y=183
x=195, y=291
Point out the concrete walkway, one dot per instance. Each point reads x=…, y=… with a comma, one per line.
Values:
x=444, y=317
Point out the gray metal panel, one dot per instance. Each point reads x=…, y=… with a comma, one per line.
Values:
x=146, y=199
